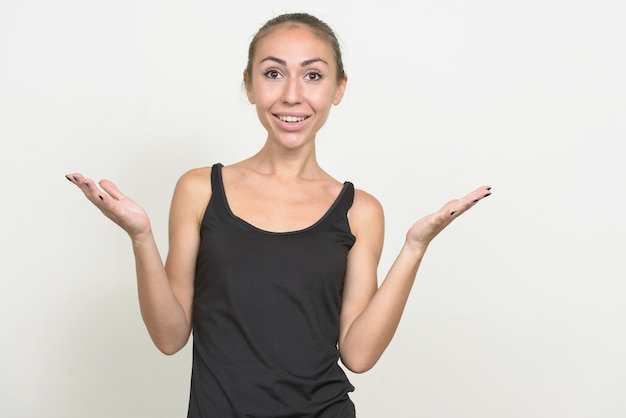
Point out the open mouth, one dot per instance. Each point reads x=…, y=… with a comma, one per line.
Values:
x=291, y=119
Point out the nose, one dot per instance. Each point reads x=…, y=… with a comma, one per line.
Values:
x=292, y=91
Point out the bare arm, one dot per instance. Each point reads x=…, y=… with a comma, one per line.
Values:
x=165, y=292
x=371, y=314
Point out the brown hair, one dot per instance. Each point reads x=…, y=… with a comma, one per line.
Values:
x=318, y=27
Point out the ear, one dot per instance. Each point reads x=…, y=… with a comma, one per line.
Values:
x=248, y=85
x=341, y=88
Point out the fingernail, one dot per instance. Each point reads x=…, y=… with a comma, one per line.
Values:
x=475, y=200
x=100, y=196
x=68, y=178
x=74, y=177
x=452, y=213
x=488, y=188
x=488, y=194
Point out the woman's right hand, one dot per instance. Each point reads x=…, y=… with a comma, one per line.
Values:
x=115, y=205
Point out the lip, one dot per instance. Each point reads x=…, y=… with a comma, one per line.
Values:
x=291, y=126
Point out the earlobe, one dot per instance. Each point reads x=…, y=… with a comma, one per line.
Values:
x=248, y=85
x=341, y=88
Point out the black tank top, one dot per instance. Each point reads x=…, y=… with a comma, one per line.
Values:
x=266, y=315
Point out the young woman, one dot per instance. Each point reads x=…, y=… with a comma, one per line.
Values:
x=272, y=262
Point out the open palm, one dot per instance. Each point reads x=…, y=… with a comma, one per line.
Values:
x=428, y=227
x=114, y=205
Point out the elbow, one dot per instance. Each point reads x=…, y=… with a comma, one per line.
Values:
x=359, y=369
x=169, y=347
x=359, y=363
x=168, y=350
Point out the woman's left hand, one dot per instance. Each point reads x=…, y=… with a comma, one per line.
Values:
x=426, y=229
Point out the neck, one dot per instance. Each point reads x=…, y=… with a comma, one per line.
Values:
x=300, y=163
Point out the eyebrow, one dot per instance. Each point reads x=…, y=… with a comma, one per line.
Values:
x=302, y=64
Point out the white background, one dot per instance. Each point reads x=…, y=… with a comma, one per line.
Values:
x=519, y=308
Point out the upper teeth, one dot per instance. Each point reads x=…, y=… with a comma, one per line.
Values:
x=292, y=119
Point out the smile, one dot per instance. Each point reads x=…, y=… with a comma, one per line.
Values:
x=291, y=119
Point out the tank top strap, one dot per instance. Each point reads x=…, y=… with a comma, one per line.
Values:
x=217, y=185
x=217, y=206
x=348, y=197
x=337, y=217
x=345, y=200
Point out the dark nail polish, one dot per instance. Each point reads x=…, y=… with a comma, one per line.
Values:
x=476, y=200
x=488, y=194
x=488, y=188
x=74, y=177
x=87, y=183
x=68, y=178
x=452, y=213
x=100, y=196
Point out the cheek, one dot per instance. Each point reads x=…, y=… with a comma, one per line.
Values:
x=324, y=98
x=265, y=94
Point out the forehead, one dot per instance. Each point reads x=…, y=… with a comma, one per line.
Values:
x=295, y=41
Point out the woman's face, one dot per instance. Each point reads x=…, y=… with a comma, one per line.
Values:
x=293, y=84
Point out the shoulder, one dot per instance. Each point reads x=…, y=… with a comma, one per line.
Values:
x=366, y=204
x=366, y=212
x=196, y=177
x=193, y=191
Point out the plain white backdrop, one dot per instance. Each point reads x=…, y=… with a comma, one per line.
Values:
x=519, y=308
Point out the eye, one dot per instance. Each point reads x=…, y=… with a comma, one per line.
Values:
x=272, y=74
x=313, y=76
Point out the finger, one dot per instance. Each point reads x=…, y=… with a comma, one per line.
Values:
x=79, y=180
x=481, y=193
x=461, y=205
x=450, y=208
x=87, y=186
x=477, y=195
x=91, y=190
x=74, y=178
x=111, y=189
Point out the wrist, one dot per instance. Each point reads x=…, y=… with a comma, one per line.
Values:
x=140, y=239
x=416, y=248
